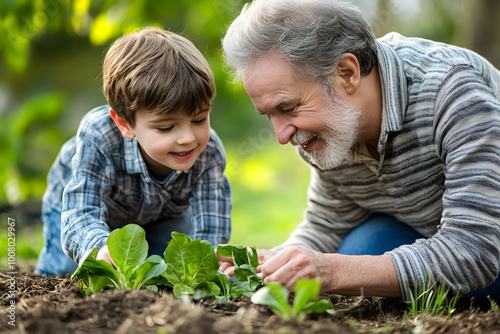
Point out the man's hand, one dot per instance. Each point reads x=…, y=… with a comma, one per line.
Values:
x=226, y=264
x=103, y=254
x=296, y=262
x=342, y=274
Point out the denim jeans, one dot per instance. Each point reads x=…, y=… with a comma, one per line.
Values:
x=382, y=233
x=53, y=261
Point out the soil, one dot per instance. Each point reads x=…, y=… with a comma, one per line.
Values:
x=45, y=304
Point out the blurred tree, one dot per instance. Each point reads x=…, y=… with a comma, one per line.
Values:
x=482, y=29
x=52, y=52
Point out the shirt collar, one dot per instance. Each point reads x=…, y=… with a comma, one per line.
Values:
x=134, y=162
x=394, y=92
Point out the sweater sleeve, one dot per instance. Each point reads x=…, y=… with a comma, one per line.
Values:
x=464, y=253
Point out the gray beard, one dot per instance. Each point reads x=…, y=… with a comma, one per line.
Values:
x=337, y=140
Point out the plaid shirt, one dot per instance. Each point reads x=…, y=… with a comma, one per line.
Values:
x=438, y=170
x=100, y=182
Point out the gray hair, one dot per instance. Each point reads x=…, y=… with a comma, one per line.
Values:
x=310, y=34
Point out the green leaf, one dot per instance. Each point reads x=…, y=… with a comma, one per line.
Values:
x=214, y=288
x=245, y=264
x=190, y=263
x=153, y=266
x=128, y=248
x=91, y=268
x=305, y=291
x=182, y=289
x=274, y=295
x=176, y=255
x=239, y=254
x=319, y=306
x=202, y=262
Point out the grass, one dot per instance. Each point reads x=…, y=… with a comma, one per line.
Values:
x=433, y=300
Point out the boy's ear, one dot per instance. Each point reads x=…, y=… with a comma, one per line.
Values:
x=125, y=128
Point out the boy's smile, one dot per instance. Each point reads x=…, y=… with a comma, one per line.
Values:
x=168, y=141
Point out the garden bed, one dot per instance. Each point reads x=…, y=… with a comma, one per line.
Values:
x=56, y=305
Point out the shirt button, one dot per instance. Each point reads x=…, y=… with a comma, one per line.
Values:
x=169, y=188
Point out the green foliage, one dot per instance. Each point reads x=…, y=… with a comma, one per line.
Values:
x=27, y=135
x=190, y=264
x=128, y=249
x=190, y=267
x=433, y=300
x=306, y=292
x=245, y=264
x=30, y=28
x=493, y=305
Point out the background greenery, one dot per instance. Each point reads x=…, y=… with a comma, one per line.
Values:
x=50, y=77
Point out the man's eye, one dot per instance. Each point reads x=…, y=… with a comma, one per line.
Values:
x=289, y=111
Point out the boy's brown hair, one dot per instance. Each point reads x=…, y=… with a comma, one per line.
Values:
x=157, y=71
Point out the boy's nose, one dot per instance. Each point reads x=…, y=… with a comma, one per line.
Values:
x=187, y=136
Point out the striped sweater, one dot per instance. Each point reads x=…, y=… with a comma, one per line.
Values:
x=438, y=172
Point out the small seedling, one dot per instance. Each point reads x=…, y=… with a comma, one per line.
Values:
x=191, y=264
x=245, y=264
x=306, y=292
x=189, y=267
x=433, y=300
x=493, y=305
x=128, y=249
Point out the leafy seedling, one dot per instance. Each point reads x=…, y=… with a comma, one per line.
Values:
x=245, y=264
x=128, y=249
x=191, y=265
x=306, y=292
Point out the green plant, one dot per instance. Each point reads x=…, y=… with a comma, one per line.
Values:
x=245, y=264
x=190, y=267
x=433, y=300
x=191, y=264
x=493, y=305
x=128, y=249
x=306, y=292
x=193, y=269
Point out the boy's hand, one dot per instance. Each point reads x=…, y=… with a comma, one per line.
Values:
x=226, y=265
x=103, y=254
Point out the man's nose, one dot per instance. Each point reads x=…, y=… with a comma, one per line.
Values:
x=284, y=129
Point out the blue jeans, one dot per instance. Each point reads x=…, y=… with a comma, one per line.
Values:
x=53, y=261
x=382, y=233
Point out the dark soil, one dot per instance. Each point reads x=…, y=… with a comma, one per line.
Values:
x=56, y=305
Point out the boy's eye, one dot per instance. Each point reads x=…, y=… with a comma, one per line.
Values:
x=168, y=128
x=200, y=121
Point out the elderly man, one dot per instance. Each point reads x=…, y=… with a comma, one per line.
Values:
x=403, y=139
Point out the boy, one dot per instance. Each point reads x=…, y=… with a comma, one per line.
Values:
x=149, y=158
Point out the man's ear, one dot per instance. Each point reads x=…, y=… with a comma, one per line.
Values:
x=349, y=72
x=125, y=128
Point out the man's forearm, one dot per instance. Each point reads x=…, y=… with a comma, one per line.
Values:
x=367, y=274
